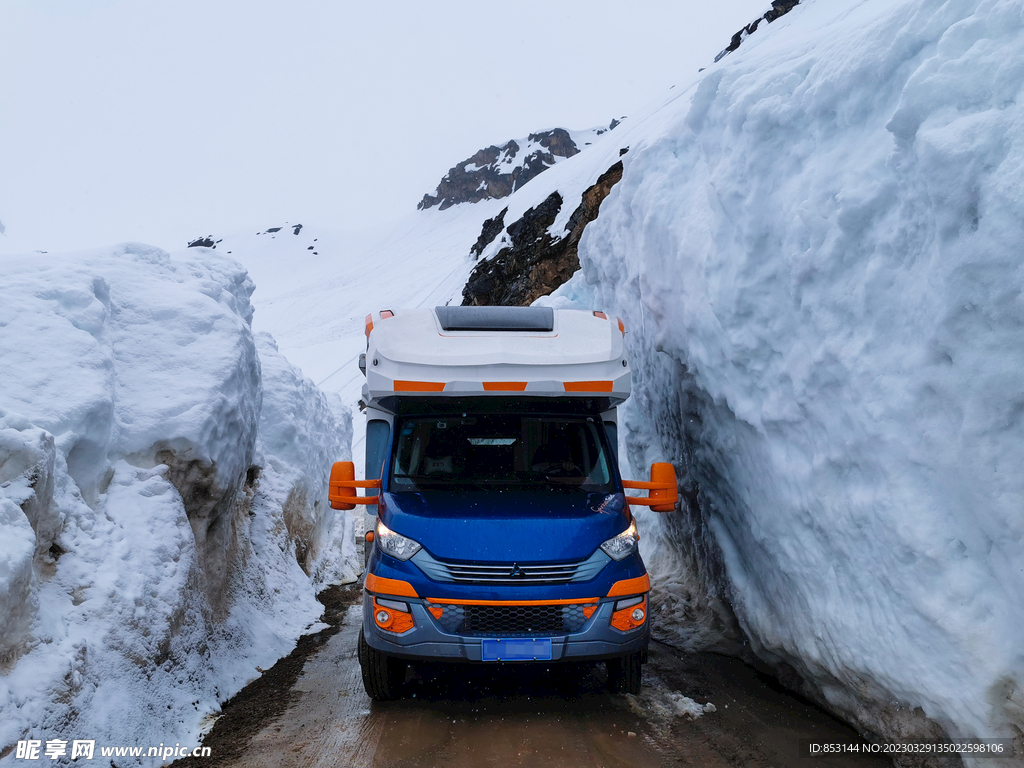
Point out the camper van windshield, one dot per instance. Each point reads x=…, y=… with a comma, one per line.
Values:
x=500, y=450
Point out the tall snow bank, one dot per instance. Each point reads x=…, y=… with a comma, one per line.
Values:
x=302, y=432
x=817, y=251
x=161, y=495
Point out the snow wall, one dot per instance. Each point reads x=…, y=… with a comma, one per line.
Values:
x=817, y=253
x=163, y=476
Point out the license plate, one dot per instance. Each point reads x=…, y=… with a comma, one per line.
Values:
x=517, y=649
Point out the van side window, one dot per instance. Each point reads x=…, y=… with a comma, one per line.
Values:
x=378, y=435
x=612, y=429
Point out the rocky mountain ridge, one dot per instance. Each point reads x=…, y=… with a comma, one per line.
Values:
x=496, y=172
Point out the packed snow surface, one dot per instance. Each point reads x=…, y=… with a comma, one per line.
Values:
x=162, y=483
x=817, y=252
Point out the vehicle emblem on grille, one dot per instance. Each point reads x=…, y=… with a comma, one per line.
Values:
x=517, y=572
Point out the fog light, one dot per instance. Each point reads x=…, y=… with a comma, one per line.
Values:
x=392, y=615
x=630, y=616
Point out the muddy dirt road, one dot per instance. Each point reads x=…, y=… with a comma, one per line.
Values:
x=310, y=710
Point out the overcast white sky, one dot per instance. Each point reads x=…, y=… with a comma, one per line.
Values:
x=161, y=121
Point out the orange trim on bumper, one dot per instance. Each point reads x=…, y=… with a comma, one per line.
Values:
x=623, y=620
x=398, y=621
x=446, y=601
x=384, y=586
x=636, y=586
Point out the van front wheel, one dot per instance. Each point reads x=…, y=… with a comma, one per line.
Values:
x=382, y=675
x=624, y=673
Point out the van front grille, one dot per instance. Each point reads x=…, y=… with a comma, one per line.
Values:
x=513, y=620
x=513, y=573
x=510, y=573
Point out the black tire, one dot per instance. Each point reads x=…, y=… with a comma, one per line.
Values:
x=383, y=675
x=624, y=673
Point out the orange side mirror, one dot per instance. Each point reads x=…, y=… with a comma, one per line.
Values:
x=663, y=487
x=341, y=490
x=663, y=474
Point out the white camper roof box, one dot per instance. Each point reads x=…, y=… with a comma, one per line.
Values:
x=495, y=351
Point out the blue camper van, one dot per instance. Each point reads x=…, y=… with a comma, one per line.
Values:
x=499, y=529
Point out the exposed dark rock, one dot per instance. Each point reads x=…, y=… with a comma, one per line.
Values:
x=56, y=550
x=296, y=229
x=611, y=126
x=214, y=510
x=204, y=242
x=532, y=228
x=779, y=8
x=496, y=172
x=490, y=230
x=273, y=229
x=536, y=263
x=252, y=475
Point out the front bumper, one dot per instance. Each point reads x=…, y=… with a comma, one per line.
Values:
x=427, y=640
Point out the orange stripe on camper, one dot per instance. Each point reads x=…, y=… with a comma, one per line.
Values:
x=447, y=601
x=382, y=586
x=602, y=315
x=369, y=325
x=504, y=386
x=418, y=386
x=385, y=314
x=588, y=386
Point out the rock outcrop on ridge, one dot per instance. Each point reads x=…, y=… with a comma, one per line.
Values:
x=536, y=262
x=779, y=8
x=496, y=172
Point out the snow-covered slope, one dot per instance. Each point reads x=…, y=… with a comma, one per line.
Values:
x=817, y=250
x=162, y=483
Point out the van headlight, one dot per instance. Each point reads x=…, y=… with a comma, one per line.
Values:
x=623, y=545
x=395, y=544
